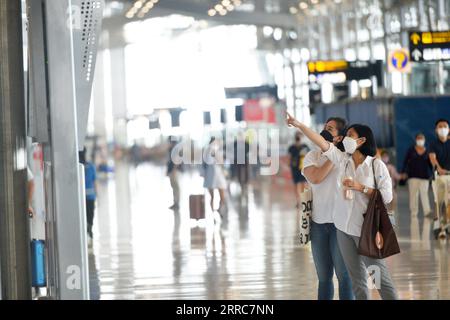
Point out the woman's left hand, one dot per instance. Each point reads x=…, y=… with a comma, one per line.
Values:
x=353, y=185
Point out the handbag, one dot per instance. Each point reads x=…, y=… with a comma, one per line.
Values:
x=378, y=239
x=305, y=210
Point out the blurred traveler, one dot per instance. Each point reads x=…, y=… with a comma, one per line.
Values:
x=440, y=148
x=322, y=176
x=135, y=153
x=90, y=179
x=173, y=172
x=241, y=160
x=213, y=172
x=440, y=160
x=297, y=153
x=357, y=166
x=417, y=168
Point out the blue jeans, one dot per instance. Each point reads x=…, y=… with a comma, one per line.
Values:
x=327, y=258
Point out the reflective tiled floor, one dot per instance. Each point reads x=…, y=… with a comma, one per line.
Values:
x=143, y=250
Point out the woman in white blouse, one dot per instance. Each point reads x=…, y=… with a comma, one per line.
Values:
x=355, y=186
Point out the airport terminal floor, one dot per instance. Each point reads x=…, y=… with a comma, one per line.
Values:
x=143, y=250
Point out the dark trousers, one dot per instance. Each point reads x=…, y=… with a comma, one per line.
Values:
x=90, y=207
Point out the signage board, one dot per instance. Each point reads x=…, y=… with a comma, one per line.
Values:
x=399, y=61
x=350, y=70
x=429, y=46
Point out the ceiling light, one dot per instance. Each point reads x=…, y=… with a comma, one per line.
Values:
x=293, y=10
x=212, y=12
x=226, y=3
x=230, y=7
x=218, y=7
x=303, y=5
x=138, y=4
x=278, y=34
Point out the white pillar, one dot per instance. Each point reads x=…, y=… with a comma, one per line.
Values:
x=119, y=98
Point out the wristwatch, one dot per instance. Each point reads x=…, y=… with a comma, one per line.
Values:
x=365, y=190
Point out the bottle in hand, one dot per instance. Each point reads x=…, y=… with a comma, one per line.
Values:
x=348, y=193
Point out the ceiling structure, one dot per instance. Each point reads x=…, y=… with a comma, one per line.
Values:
x=275, y=13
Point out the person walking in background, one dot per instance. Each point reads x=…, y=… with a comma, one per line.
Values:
x=418, y=170
x=90, y=179
x=241, y=160
x=322, y=176
x=440, y=148
x=214, y=177
x=358, y=169
x=440, y=160
x=297, y=152
x=172, y=172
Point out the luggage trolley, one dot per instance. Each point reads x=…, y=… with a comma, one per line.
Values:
x=441, y=192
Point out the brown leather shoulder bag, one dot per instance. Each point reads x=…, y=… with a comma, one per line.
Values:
x=378, y=239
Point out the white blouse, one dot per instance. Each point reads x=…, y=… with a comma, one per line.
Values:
x=348, y=214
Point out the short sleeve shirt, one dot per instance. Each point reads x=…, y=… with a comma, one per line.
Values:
x=442, y=151
x=324, y=193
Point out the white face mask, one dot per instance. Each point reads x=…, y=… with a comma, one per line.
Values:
x=350, y=145
x=443, y=132
x=420, y=142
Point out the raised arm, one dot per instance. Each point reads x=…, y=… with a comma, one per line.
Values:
x=316, y=138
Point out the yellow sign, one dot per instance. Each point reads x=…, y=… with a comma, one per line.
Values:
x=436, y=37
x=327, y=66
x=399, y=61
x=416, y=38
x=427, y=38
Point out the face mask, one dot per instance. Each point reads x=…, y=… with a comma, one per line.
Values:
x=327, y=136
x=420, y=142
x=350, y=145
x=443, y=132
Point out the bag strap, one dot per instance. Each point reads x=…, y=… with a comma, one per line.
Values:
x=374, y=176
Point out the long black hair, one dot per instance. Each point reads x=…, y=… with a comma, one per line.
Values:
x=369, y=148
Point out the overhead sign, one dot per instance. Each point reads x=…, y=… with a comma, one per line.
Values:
x=399, y=61
x=361, y=70
x=429, y=46
x=317, y=67
x=351, y=70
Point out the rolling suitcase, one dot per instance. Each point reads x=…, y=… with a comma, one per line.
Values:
x=197, y=206
x=38, y=263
